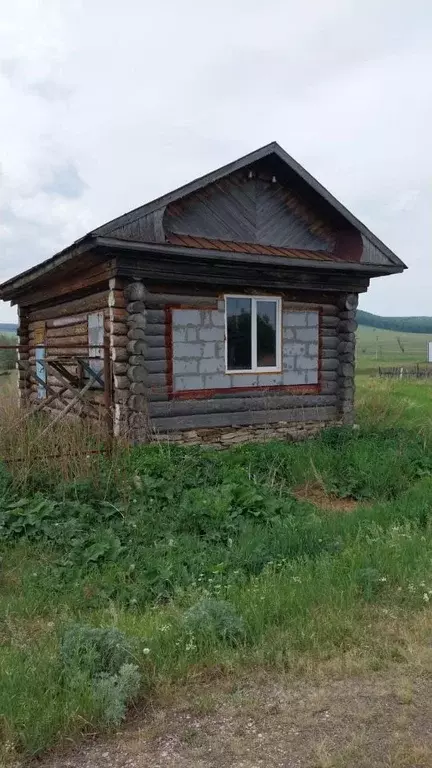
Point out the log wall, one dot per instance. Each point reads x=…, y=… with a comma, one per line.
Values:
x=153, y=408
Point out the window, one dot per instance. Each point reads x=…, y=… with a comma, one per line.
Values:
x=252, y=334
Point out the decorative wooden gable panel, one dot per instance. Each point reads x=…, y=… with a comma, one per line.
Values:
x=253, y=210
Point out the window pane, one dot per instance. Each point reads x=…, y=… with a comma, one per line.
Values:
x=239, y=336
x=266, y=334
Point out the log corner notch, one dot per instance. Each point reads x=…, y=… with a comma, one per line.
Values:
x=22, y=364
x=117, y=330
x=136, y=374
x=346, y=328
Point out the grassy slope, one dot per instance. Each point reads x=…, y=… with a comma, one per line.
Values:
x=377, y=347
x=163, y=528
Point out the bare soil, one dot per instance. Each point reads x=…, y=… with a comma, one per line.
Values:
x=315, y=494
x=382, y=720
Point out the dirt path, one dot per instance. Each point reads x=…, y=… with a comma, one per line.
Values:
x=380, y=721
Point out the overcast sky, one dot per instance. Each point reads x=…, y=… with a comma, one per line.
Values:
x=105, y=105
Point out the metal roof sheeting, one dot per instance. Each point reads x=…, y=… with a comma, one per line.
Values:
x=191, y=241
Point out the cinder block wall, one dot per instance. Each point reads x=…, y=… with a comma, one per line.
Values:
x=198, y=351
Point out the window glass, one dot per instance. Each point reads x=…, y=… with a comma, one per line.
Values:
x=266, y=318
x=239, y=334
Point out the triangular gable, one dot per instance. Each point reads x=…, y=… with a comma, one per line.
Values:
x=264, y=197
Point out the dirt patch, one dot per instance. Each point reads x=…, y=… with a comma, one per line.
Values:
x=381, y=720
x=315, y=494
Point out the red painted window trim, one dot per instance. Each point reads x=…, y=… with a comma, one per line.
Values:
x=203, y=394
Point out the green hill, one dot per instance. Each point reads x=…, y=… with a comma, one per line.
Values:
x=400, y=324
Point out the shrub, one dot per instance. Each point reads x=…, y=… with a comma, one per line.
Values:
x=214, y=617
x=111, y=693
x=95, y=650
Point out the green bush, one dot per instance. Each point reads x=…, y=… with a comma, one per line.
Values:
x=112, y=693
x=95, y=650
x=214, y=618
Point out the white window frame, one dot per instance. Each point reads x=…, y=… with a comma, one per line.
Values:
x=255, y=369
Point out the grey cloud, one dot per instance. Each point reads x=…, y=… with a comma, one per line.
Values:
x=65, y=182
x=50, y=90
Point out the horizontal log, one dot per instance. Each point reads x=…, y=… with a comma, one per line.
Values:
x=156, y=329
x=239, y=404
x=86, y=304
x=118, y=341
x=117, y=314
x=119, y=354
x=328, y=321
x=118, y=329
x=156, y=366
x=66, y=341
x=156, y=340
x=65, y=322
x=330, y=342
x=158, y=300
x=72, y=330
x=120, y=368
x=331, y=364
x=347, y=326
x=121, y=382
x=156, y=353
x=116, y=299
x=155, y=316
x=246, y=418
x=327, y=353
x=136, y=333
x=156, y=379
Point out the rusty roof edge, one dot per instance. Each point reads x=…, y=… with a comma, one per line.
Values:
x=210, y=253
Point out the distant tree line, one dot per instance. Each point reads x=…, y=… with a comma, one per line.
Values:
x=401, y=324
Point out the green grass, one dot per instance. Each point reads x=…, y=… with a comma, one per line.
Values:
x=274, y=581
x=377, y=347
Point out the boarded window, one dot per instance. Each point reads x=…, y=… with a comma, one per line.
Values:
x=253, y=333
x=96, y=343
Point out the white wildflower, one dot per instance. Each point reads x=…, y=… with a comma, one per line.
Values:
x=426, y=597
x=146, y=651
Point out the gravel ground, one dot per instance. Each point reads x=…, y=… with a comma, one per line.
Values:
x=380, y=721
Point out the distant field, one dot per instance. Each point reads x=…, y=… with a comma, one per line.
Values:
x=377, y=347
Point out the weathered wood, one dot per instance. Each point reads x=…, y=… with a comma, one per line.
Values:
x=330, y=364
x=119, y=341
x=121, y=382
x=156, y=300
x=328, y=321
x=116, y=299
x=120, y=368
x=117, y=329
x=246, y=418
x=136, y=333
x=135, y=291
x=156, y=353
x=119, y=354
x=86, y=304
x=347, y=326
x=156, y=341
x=155, y=316
x=156, y=366
x=85, y=279
x=135, y=307
x=137, y=373
x=66, y=342
x=137, y=320
x=155, y=329
x=156, y=379
x=136, y=347
x=347, y=369
x=71, y=330
x=240, y=404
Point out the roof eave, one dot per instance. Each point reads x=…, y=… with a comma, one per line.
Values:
x=374, y=270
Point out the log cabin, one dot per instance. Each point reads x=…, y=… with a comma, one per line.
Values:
x=224, y=311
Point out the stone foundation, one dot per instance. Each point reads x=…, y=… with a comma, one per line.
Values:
x=224, y=437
